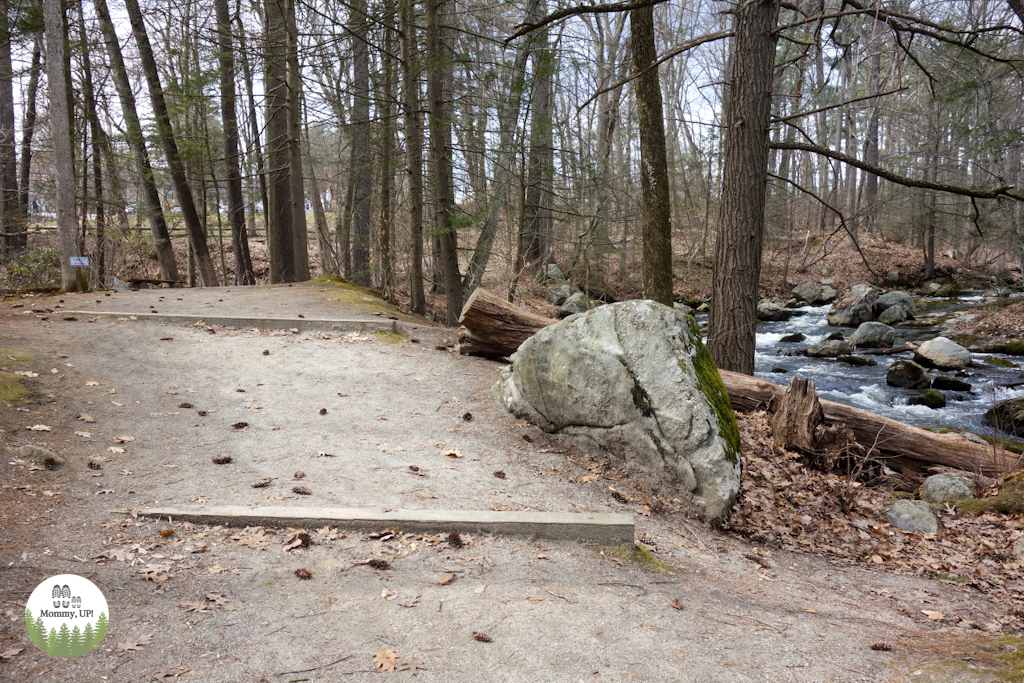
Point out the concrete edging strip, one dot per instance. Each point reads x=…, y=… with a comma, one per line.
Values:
x=268, y=323
x=592, y=527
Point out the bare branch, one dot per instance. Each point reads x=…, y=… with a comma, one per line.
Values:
x=523, y=29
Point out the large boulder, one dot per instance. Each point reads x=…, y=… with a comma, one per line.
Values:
x=634, y=381
x=828, y=293
x=829, y=348
x=576, y=303
x=855, y=307
x=872, y=335
x=553, y=275
x=928, y=398
x=807, y=291
x=768, y=310
x=1008, y=416
x=557, y=294
x=946, y=486
x=908, y=375
x=951, y=384
x=897, y=298
x=913, y=515
x=942, y=353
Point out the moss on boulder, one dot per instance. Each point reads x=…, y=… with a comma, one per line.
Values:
x=1009, y=500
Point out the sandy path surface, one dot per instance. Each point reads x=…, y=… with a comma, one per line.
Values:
x=554, y=611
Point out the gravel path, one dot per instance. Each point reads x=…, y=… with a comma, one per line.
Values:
x=352, y=413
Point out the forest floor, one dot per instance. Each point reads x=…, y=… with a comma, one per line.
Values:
x=151, y=404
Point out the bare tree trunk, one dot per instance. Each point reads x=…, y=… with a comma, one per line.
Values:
x=387, y=274
x=439, y=94
x=279, y=217
x=71, y=278
x=96, y=133
x=507, y=118
x=256, y=150
x=361, y=168
x=656, y=227
x=731, y=329
x=236, y=202
x=536, y=227
x=300, y=233
x=193, y=227
x=413, y=152
x=137, y=143
x=11, y=217
x=28, y=129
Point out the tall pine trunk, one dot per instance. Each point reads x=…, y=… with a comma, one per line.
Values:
x=737, y=272
x=656, y=218
x=137, y=142
x=193, y=226
x=536, y=219
x=71, y=278
x=387, y=274
x=413, y=151
x=28, y=129
x=361, y=168
x=439, y=96
x=229, y=120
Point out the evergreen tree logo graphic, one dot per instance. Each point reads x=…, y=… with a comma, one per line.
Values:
x=67, y=616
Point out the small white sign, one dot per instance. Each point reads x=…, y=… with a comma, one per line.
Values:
x=79, y=261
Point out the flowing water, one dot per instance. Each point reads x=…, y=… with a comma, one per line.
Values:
x=865, y=387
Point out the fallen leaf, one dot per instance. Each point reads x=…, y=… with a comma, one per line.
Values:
x=445, y=579
x=119, y=405
x=588, y=478
x=115, y=449
x=92, y=384
x=412, y=666
x=240, y=425
x=124, y=439
x=482, y=637
x=84, y=435
x=156, y=577
x=41, y=428
x=256, y=539
x=877, y=559
x=410, y=602
x=194, y=605
x=933, y=615
x=385, y=660
x=85, y=418
x=7, y=654
x=677, y=603
x=388, y=594
x=810, y=610
x=26, y=373
x=135, y=644
x=216, y=569
x=452, y=453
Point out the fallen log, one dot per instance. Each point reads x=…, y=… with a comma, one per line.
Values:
x=875, y=432
x=494, y=328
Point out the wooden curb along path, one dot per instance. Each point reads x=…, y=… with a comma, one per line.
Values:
x=599, y=528
x=262, y=323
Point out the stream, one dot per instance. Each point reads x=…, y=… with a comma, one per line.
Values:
x=865, y=387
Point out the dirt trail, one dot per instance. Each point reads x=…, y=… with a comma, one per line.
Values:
x=700, y=611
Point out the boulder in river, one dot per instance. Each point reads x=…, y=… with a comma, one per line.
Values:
x=576, y=303
x=913, y=515
x=828, y=293
x=946, y=383
x=857, y=361
x=768, y=310
x=897, y=298
x=942, y=353
x=794, y=338
x=946, y=486
x=634, y=381
x=1008, y=416
x=873, y=335
x=908, y=375
x=855, y=307
x=829, y=348
x=928, y=398
x=807, y=291
x=893, y=315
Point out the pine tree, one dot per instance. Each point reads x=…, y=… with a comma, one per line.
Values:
x=88, y=638
x=101, y=628
x=63, y=648
x=77, y=643
x=33, y=630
